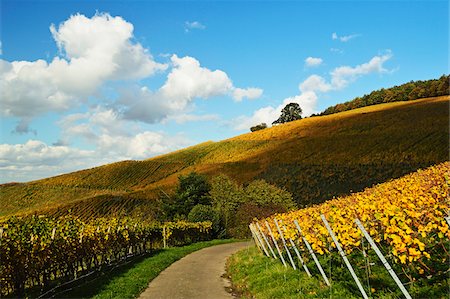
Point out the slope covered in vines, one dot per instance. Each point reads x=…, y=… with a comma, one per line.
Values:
x=314, y=158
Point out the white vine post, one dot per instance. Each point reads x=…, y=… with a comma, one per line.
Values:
x=267, y=241
x=383, y=260
x=312, y=253
x=164, y=237
x=258, y=239
x=448, y=220
x=284, y=244
x=298, y=255
x=254, y=238
x=276, y=244
x=344, y=256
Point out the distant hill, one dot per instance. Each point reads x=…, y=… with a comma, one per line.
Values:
x=315, y=158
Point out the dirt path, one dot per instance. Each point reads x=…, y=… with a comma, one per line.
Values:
x=197, y=275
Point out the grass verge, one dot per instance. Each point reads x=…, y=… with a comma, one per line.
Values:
x=129, y=280
x=255, y=276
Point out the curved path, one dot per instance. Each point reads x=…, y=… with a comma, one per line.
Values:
x=197, y=275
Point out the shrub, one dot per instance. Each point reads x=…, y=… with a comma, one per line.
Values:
x=202, y=213
x=258, y=127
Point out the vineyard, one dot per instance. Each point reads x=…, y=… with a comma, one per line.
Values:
x=405, y=217
x=315, y=159
x=41, y=252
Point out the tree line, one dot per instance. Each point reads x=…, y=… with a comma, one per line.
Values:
x=410, y=91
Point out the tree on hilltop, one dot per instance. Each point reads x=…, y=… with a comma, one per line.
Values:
x=290, y=112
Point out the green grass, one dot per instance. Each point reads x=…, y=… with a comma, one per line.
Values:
x=256, y=276
x=129, y=280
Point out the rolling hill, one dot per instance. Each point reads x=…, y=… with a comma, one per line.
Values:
x=315, y=158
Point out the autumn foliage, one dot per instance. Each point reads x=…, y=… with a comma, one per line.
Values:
x=404, y=216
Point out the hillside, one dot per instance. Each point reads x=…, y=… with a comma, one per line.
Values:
x=315, y=158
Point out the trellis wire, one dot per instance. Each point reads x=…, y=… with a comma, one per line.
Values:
x=383, y=260
x=312, y=254
x=265, y=239
x=344, y=256
x=284, y=244
x=275, y=242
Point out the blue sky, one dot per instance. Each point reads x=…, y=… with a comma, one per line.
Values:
x=84, y=83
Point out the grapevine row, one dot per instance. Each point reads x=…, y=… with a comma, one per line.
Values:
x=39, y=251
x=405, y=216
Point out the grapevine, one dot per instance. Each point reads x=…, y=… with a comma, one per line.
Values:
x=39, y=250
x=404, y=216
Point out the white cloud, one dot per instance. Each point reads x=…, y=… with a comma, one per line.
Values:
x=313, y=61
x=113, y=138
x=193, y=25
x=337, y=50
x=263, y=115
x=186, y=81
x=249, y=93
x=95, y=50
x=344, y=38
x=342, y=76
x=35, y=159
x=309, y=89
x=186, y=117
x=314, y=83
x=117, y=137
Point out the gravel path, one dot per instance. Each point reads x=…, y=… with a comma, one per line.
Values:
x=196, y=276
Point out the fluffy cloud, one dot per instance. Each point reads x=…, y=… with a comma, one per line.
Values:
x=93, y=51
x=193, y=25
x=342, y=76
x=98, y=50
x=314, y=83
x=35, y=159
x=249, y=93
x=313, y=61
x=186, y=81
x=344, y=38
x=117, y=137
x=310, y=88
x=186, y=117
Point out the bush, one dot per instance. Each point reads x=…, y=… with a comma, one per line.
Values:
x=247, y=212
x=258, y=127
x=202, y=213
x=237, y=206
